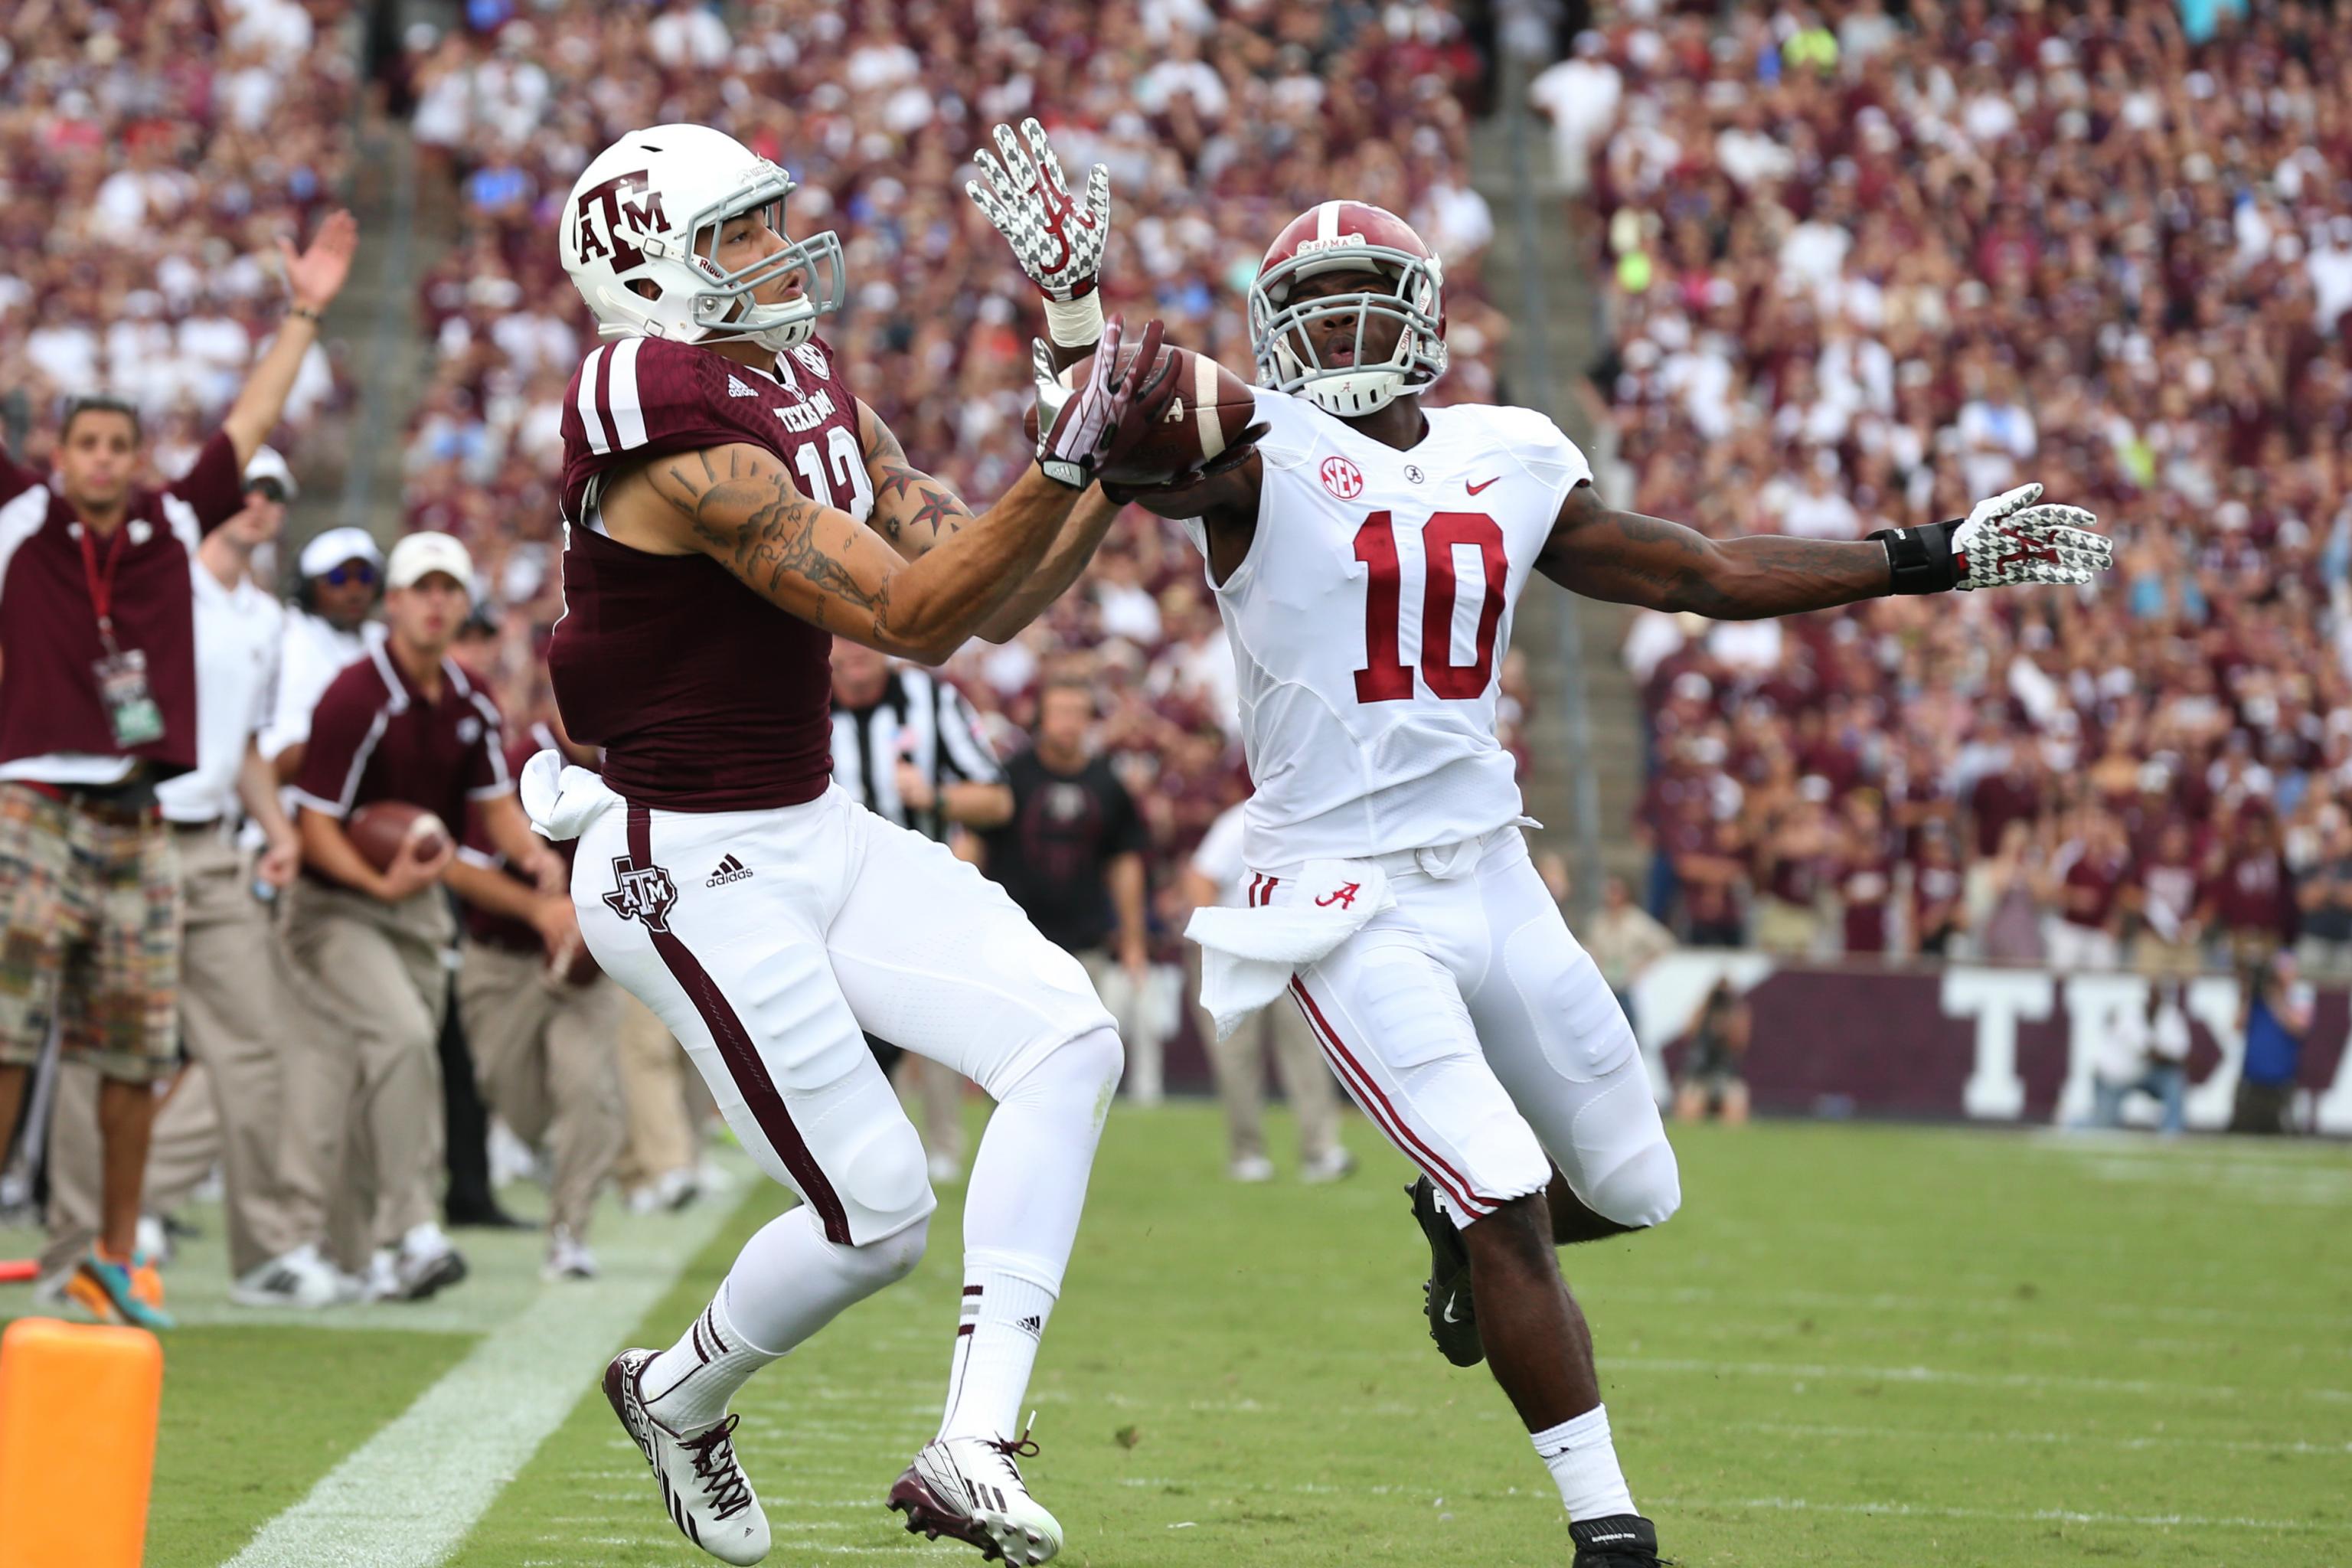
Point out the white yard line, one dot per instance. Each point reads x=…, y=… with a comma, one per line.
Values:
x=2337, y=1448
x=407, y=1497
x=2001, y=1516
x=1960, y=1379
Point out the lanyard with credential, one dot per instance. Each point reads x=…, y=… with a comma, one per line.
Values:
x=121, y=673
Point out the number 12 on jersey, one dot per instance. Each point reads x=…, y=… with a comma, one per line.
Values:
x=1386, y=678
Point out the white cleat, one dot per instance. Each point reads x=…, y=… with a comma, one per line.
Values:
x=703, y=1490
x=969, y=1489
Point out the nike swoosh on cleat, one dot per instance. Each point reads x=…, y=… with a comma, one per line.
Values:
x=1450, y=1315
x=1473, y=489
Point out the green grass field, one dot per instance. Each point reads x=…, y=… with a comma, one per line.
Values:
x=1856, y=1345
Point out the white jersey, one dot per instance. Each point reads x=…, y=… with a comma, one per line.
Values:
x=1368, y=622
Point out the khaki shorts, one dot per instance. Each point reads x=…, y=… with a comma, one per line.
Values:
x=91, y=910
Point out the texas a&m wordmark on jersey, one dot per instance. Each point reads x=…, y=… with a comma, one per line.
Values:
x=704, y=696
x=1368, y=622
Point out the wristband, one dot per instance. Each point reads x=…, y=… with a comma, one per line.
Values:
x=1075, y=323
x=313, y=317
x=1919, y=560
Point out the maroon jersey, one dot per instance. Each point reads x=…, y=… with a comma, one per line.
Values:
x=376, y=736
x=487, y=926
x=2094, y=884
x=1867, y=885
x=49, y=703
x=704, y=696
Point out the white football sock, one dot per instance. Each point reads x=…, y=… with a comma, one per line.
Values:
x=996, y=1350
x=788, y=1282
x=1020, y=1220
x=1583, y=1463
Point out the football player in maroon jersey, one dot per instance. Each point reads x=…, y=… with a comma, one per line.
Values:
x=729, y=507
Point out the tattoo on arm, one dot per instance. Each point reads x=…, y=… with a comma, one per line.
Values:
x=764, y=531
x=1630, y=559
x=911, y=510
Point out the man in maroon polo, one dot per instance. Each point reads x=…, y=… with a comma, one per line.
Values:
x=404, y=724
x=97, y=706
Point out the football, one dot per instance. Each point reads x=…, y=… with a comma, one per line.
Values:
x=385, y=830
x=1212, y=406
x=573, y=963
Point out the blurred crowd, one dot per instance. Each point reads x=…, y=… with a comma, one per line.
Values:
x=1861, y=270
x=1218, y=122
x=151, y=153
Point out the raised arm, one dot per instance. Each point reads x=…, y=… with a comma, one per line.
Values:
x=313, y=278
x=1630, y=559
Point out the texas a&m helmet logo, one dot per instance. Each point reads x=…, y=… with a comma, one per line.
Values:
x=607, y=208
x=642, y=893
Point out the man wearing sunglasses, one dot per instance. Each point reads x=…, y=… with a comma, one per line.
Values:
x=328, y=629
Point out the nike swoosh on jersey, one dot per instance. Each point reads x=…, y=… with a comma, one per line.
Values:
x=1473, y=489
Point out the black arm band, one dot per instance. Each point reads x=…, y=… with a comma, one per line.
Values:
x=1919, y=560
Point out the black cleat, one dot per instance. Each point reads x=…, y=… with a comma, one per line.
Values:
x=1620, y=1541
x=1453, y=1317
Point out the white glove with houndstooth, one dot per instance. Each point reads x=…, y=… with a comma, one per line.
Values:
x=2004, y=541
x=1057, y=243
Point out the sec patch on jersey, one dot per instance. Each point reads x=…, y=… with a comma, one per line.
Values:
x=1212, y=406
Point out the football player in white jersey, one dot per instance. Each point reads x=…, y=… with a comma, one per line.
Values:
x=1366, y=554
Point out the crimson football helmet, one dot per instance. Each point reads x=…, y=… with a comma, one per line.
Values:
x=649, y=209
x=1334, y=237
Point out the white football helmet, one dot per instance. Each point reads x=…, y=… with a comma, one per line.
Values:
x=649, y=208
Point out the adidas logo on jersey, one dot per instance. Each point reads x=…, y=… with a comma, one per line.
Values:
x=735, y=389
x=729, y=870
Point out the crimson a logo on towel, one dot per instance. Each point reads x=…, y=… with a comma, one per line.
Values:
x=643, y=893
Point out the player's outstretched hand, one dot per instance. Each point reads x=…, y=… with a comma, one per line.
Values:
x=316, y=276
x=2004, y=541
x=1081, y=429
x=1025, y=194
x=2009, y=538
x=1237, y=452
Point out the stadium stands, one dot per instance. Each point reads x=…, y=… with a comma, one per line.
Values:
x=127, y=269
x=1860, y=275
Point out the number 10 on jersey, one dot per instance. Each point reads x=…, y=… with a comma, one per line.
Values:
x=1386, y=678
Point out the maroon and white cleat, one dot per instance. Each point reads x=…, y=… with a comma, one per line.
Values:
x=703, y=1488
x=970, y=1489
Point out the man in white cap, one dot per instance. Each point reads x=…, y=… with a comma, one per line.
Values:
x=403, y=723
x=236, y=1005
x=327, y=629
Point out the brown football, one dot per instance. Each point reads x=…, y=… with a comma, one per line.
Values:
x=385, y=830
x=1211, y=407
x=573, y=963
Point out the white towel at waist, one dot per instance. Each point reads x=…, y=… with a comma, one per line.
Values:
x=1248, y=956
x=563, y=801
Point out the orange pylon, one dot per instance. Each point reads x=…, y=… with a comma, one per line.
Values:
x=78, y=1409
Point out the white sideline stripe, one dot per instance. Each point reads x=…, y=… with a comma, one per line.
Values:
x=407, y=1497
x=2003, y=1516
x=1959, y=1379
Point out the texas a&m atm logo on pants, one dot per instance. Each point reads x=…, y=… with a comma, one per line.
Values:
x=641, y=893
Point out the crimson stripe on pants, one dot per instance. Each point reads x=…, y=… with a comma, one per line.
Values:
x=1382, y=1109
x=740, y=1055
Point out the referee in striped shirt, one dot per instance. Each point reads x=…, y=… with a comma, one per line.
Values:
x=907, y=746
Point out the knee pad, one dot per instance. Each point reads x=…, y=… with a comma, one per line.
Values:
x=883, y=1183
x=1644, y=1190
x=1085, y=1068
